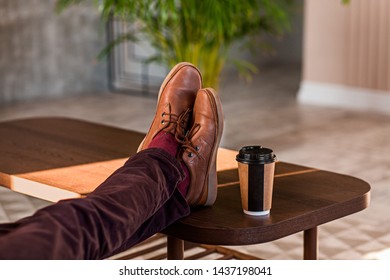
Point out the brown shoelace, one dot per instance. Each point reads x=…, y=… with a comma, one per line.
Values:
x=179, y=123
x=187, y=143
x=182, y=126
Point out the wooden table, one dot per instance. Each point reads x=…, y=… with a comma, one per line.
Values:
x=57, y=158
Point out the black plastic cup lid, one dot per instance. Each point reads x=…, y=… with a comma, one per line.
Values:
x=256, y=155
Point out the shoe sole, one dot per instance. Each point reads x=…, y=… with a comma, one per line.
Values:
x=170, y=75
x=212, y=184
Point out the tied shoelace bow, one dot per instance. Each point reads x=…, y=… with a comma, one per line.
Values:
x=182, y=126
x=179, y=123
x=182, y=135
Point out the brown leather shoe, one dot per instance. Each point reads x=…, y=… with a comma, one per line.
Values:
x=175, y=100
x=200, y=149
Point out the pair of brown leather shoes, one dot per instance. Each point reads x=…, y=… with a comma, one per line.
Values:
x=194, y=116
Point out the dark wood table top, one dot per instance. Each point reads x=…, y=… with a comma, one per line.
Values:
x=303, y=198
x=57, y=158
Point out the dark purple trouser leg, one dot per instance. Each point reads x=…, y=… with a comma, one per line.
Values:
x=135, y=202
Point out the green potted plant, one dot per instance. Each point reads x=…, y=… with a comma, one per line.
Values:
x=197, y=31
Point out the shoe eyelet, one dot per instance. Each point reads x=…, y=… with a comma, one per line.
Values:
x=163, y=122
x=163, y=114
x=190, y=154
x=197, y=148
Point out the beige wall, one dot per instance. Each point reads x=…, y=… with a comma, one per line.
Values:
x=347, y=45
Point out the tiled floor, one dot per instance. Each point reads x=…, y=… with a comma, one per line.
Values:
x=264, y=112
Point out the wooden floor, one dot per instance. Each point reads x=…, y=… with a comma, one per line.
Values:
x=266, y=113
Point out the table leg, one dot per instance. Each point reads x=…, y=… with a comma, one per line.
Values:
x=310, y=244
x=175, y=248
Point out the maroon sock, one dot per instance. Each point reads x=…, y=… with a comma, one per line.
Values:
x=165, y=140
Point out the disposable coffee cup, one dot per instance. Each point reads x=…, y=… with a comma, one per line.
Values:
x=256, y=167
